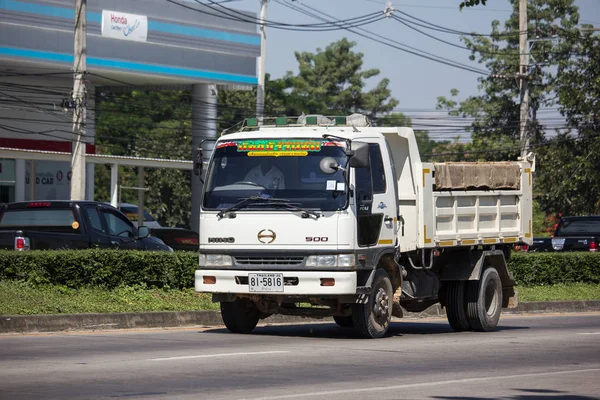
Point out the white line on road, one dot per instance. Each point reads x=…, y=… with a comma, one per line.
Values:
x=589, y=333
x=417, y=385
x=256, y=353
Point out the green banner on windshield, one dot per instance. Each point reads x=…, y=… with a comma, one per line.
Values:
x=279, y=147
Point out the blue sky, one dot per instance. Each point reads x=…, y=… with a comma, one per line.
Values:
x=415, y=82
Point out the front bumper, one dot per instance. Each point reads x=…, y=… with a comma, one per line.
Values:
x=301, y=282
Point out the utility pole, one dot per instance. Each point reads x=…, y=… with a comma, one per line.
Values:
x=260, y=89
x=78, y=96
x=523, y=77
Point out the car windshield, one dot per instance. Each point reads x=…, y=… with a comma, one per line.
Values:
x=132, y=214
x=587, y=226
x=287, y=169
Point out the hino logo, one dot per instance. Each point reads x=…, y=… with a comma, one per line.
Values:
x=221, y=240
x=266, y=236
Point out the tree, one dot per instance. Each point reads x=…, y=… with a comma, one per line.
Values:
x=155, y=124
x=472, y=3
x=568, y=173
x=495, y=130
x=331, y=81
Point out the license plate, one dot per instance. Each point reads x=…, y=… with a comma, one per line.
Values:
x=265, y=282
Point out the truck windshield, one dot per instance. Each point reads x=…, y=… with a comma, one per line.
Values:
x=287, y=169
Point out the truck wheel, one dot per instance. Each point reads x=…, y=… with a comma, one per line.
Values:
x=344, y=322
x=484, y=301
x=240, y=316
x=456, y=306
x=372, y=319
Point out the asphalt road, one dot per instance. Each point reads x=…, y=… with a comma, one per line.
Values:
x=529, y=357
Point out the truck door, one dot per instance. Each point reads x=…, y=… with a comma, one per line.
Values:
x=375, y=196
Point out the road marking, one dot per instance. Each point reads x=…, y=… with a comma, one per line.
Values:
x=589, y=333
x=417, y=385
x=256, y=353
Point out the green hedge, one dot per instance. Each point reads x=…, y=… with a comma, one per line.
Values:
x=114, y=268
x=105, y=268
x=540, y=269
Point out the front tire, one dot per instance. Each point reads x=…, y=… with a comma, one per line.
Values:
x=372, y=319
x=484, y=301
x=240, y=316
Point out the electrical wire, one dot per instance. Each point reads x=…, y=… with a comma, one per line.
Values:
x=386, y=41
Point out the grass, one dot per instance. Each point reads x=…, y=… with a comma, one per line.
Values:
x=574, y=291
x=21, y=298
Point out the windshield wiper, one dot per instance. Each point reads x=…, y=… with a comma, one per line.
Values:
x=250, y=200
x=293, y=207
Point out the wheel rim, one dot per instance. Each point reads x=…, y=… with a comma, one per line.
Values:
x=491, y=298
x=381, y=307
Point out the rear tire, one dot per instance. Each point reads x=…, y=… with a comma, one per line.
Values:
x=484, y=301
x=240, y=316
x=345, y=321
x=372, y=319
x=456, y=305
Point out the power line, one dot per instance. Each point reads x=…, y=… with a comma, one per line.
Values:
x=386, y=41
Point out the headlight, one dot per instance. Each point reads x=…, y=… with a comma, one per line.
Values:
x=214, y=260
x=342, y=260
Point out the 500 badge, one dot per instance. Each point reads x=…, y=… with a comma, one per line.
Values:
x=319, y=239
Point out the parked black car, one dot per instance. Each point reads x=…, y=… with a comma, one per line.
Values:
x=52, y=224
x=177, y=238
x=571, y=234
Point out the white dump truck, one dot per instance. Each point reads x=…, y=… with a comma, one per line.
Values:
x=331, y=217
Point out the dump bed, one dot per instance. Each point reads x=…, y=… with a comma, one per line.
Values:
x=459, y=204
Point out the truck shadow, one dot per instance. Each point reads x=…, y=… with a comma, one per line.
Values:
x=528, y=394
x=332, y=331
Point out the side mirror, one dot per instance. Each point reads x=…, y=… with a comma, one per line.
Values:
x=360, y=155
x=328, y=165
x=143, y=232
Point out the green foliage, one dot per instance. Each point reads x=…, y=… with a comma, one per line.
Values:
x=472, y=3
x=568, y=174
x=154, y=124
x=113, y=268
x=23, y=298
x=332, y=82
x=540, y=269
x=559, y=292
x=496, y=111
x=103, y=268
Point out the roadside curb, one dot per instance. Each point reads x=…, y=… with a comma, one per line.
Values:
x=170, y=319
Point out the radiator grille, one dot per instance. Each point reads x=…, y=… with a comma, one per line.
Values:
x=269, y=260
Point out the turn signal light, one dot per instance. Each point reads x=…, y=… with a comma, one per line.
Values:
x=327, y=282
x=209, y=280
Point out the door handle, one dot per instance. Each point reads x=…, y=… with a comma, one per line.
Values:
x=388, y=219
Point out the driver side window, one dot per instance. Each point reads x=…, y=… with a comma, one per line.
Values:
x=117, y=225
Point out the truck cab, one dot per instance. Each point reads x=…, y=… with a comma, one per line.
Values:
x=334, y=214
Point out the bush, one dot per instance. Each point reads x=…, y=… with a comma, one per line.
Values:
x=115, y=268
x=540, y=269
x=104, y=268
